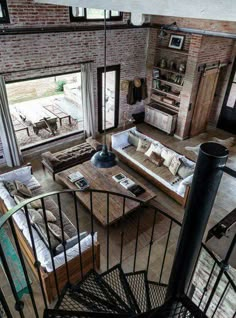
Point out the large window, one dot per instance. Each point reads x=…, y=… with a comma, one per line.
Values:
x=88, y=14
x=4, y=16
x=46, y=108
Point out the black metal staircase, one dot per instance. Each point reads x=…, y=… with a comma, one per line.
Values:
x=118, y=292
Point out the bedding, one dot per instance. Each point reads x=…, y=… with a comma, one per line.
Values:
x=43, y=254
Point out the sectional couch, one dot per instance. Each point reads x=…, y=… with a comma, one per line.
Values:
x=172, y=173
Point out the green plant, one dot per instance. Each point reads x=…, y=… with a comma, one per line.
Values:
x=60, y=86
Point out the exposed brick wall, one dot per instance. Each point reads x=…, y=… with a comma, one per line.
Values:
x=202, y=50
x=30, y=55
x=202, y=24
x=26, y=13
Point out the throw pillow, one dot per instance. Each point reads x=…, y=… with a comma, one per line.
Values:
x=37, y=204
x=70, y=243
x=133, y=139
x=174, y=165
x=155, y=158
x=18, y=199
x=185, y=171
x=157, y=148
x=143, y=145
x=57, y=232
x=11, y=187
x=94, y=143
x=167, y=155
x=50, y=216
x=23, y=189
x=35, y=217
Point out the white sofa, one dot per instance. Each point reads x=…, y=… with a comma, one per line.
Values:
x=175, y=187
x=7, y=202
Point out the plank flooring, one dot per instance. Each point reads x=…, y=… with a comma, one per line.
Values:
x=225, y=202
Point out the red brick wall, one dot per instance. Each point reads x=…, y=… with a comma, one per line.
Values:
x=27, y=13
x=26, y=56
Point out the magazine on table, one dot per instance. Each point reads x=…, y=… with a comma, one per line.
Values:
x=119, y=177
x=82, y=184
x=75, y=176
x=127, y=183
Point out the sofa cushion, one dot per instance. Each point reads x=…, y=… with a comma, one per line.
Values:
x=184, y=171
x=143, y=145
x=11, y=187
x=133, y=139
x=94, y=143
x=167, y=155
x=156, y=159
x=174, y=165
x=49, y=215
x=23, y=189
x=70, y=242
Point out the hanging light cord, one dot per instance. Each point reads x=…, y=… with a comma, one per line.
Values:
x=105, y=77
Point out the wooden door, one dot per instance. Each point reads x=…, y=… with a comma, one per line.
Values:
x=204, y=101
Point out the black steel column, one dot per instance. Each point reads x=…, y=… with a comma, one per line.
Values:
x=207, y=176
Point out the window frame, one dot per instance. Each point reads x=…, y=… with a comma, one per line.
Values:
x=5, y=18
x=85, y=19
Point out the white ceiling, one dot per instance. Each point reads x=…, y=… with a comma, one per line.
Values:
x=200, y=9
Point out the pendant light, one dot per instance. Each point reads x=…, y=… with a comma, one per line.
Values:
x=104, y=158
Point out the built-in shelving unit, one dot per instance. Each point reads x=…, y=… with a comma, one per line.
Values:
x=168, y=70
x=181, y=52
x=167, y=93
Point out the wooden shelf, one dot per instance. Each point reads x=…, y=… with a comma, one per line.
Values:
x=181, y=52
x=168, y=70
x=166, y=93
x=172, y=107
x=168, y=82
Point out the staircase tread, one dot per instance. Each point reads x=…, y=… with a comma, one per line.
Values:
x=93, y=286
x=139, y=286
x=157, y=293
x=116, y=279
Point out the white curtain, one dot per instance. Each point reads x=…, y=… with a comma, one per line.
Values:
x=87, y=94
x=7, y=133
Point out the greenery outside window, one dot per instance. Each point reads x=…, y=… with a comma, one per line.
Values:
x=4, y=16
x=88, y=14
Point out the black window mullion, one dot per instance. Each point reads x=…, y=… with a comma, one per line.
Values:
x=5, y=18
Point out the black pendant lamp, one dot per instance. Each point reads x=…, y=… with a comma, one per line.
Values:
x=104, y=158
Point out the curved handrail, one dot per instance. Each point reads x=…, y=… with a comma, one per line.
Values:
x=19, y=206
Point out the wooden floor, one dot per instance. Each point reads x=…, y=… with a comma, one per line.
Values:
x=225, y=203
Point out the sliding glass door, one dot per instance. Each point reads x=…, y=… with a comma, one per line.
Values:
x=112, y=97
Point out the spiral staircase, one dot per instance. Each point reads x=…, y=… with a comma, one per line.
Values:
x=116, y=292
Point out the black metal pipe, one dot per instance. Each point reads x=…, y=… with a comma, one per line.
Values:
x=207, y=176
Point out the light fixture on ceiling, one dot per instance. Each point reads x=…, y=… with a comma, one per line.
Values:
x=163, y=33
x=104, y=158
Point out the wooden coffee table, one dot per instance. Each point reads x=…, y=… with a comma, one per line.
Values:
x=101, y=179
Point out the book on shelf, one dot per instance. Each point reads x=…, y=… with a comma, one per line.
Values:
x=82, y=184
x=75, y=176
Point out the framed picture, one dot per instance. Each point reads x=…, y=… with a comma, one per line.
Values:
x=176, y=41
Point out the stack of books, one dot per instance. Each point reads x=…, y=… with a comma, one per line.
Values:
x=79, y=180
x=129, y=184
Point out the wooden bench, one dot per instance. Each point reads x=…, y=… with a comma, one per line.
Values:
x=18, y=125
x=58, y=112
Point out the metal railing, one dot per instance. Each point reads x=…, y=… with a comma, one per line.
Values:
x=127, y=256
